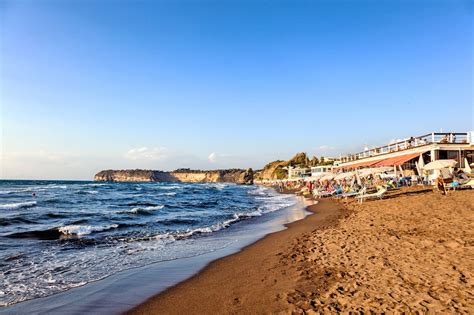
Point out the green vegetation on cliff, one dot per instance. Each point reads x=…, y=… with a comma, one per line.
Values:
x=277, y=169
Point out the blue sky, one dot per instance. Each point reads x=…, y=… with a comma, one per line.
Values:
x=88, y=85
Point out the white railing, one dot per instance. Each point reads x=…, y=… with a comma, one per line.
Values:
x=434, y=137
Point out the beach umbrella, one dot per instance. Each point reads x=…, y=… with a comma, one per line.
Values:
x=317, y=176
x=420, y=165
x=440, y=164
x=344, y=175
x=418, y=169
x=467, y=168
x=359, y=182
x=383, y=169
x=328, y=177
x=421, y=162
x=389, y=175
x=373, y=171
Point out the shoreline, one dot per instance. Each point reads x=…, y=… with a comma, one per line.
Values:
x=112, y=294
x=409, y=252
x=260, y=284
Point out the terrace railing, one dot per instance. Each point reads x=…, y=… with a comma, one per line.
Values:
x=434, y=137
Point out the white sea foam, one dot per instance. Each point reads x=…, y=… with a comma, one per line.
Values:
x=85, y=229
x=167, y=194
x=19, y=205
x=142, y=209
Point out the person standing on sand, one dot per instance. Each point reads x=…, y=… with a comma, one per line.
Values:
x=441, y=184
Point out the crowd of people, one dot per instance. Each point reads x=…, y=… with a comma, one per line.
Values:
x=354, y=184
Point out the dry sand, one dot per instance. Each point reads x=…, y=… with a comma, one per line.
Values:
x=412, y=252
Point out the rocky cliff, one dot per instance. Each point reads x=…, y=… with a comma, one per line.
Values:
x=182, y=175
x=276, y=169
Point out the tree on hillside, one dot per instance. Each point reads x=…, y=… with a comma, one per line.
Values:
x=314, y=161
x=300, y=159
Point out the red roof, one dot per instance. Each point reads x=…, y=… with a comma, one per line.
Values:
x=397, y=160
x=361, y=164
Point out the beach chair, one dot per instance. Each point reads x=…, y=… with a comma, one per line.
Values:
x=328, y=193
x=354, y=193
x=321, y=194
x=379, y=194
x=468, y=184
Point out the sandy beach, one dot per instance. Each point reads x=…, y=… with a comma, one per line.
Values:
x=410, y=252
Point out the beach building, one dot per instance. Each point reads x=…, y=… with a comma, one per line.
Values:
x=332, y=160
x=320, y=169
x=298, y=172
x=410, y=153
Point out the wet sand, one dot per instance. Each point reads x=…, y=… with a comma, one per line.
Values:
x=251, y=281
x=410, y=252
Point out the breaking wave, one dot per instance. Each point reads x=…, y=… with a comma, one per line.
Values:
x=19, y=205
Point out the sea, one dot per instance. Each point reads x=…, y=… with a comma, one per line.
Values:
x=59, y=235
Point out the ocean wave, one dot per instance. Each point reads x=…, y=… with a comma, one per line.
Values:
x=141, y=203
x=86, y=192
x=85, y=229
x=15, y=220
x=142, y=210
x=56, y=186
x=94, y=185
x=174, y=187
x=18, y=205
x=167, y=194
x=218, y=226
x=260, y=191
x=176, y=221
x=50, y=234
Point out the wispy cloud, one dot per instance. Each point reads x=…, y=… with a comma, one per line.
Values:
x=212, y=157
x=219, y=157
x=324, y=148
x=145, y=153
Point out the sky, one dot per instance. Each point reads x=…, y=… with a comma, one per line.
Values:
x=91, y=85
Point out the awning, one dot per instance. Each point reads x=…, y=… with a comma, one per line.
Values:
x=360, y=164
x=397, y=160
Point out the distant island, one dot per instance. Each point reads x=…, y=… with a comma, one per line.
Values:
x=238, y=176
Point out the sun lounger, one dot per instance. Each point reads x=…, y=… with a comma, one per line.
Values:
x=320, y=194
x=468, y=184
x=379, y=194
x=353, y=193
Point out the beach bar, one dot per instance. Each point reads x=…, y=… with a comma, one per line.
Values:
x=458, y=146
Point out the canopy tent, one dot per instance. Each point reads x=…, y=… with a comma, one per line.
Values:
x=440, y=164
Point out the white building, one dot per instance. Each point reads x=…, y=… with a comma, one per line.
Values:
x=321, y=169
x=297, y=172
